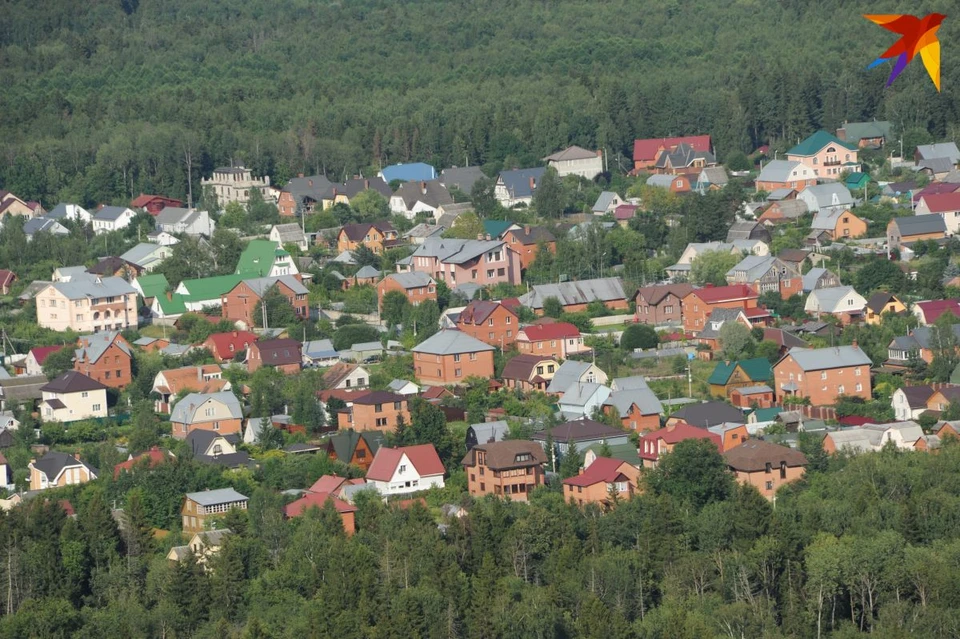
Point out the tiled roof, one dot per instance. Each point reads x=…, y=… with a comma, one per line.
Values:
x=504, y=454
x=603, y=470
x=753, y=456
x=238, y=339
x=72, y=382
x=672, y=435
x=278, y=352
x=813, y=144
x=717, y=294
x=423, y=457
x=647, y=149
x=555, y=330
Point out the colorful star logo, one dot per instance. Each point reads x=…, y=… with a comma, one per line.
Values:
x=919, y=35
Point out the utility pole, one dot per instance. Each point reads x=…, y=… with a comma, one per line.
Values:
x=689, y=380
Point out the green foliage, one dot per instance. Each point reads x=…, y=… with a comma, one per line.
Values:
x=735, y=340
x=394, y=307
x=58, y=362
x=279, y=313
x=639, y=336
x=552, y=307
x=694, y=473
x=548, y=198
x=711, y=267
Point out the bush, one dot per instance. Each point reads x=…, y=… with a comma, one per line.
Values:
x=639, y=336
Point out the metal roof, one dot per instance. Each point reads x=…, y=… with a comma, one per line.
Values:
x=818, y=359
x=216, y=497
x=451, y=342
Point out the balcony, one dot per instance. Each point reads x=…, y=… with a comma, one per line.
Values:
x=832, y=163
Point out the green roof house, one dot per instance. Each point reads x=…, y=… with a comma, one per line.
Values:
x=496, y=228
x=827, y=155
x=866, y=134
x=153, y=285
x=264, y=258
x=857, y=180
x=728, y=376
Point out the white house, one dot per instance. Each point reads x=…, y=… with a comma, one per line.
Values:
x=176, y=220
x=112, y=218
x=65, y=211
x=836, y=300
x=162, y=238
x=346, y=376
x=147, y=255
x=575, y=160
x=71, y=397
x=580, y=400
x=413, y=198
x=910, y=402
x=403, y=387
x=409, y=469
x=288, y=234
x=572, y=372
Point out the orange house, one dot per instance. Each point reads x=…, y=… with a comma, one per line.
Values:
x=839, y=223
x=731, y=435
x=526, y=242
x=451, y=356
x=510, y=469
x=529, y=372
x=104, y=357
x=376, y=237
x=823, y=374
x=241, y=303
x=700, y=303
x=602, y=482
x=765, y=466
x=354, y=448
x=654, y=445
x=418, y=287
x=558, y=339
x=376, y=410
x=489, y=322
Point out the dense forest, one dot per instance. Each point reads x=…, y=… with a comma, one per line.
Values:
x=105, y=99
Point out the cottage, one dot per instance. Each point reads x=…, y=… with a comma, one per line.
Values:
x=748, y=230
x=214, y=448
x=819, y=278
x=263, y=258
x=823, y=375
x=55, y=470
x=866, y=135
x=147, y=256
x=648, y=151
x=65, y=211
x=301, y=195
x=319, y=496
x=559, y=340
x=783, y=212
x=450, y=357
x=683, y=158
x=486, y=433
x=883, y=302
x=826, y=196
x=656, y=444
x=461, y=178
x=375, y=410
x=785, y=174
x=573, y=372
x=200, y=510
x=284, y=354
x=288, y=234
x=906, y=435
x=698, y=304
x=527, y=240
x=575, y=160
x=910, y=402
x=418, y=287
x=150, y=459
x=36, y=356
x=944, y=205
x=766, y=274
x=112, y=218
x=72, y=397
x=927, y=312
x=517, y=186
x=826, y=155
x=153, y=204
x=604, y=482
x=838, y=223
x=607, y=202
x=661, y=304
x=760, y=396
x=946, y=150
x=105, y=357
x=706, y=415
x=180, y=221
x=346, y=376
x=765, y=466
x=231, y=346
x=489, y=322
x=904, y=230
x=354, y=448
x=529, y=372
x=843, y=302
x=87, y=305
x=219, y=412
x=731, y=375
x=404, y=470
x=195, y=379
x=510, y=469
x=242, y=303
x=710, y=335
x=712, y=178
x=635, y=403
x=581, y=433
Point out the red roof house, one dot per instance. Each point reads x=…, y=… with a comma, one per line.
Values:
x=645, y=152
x=559, y=339
x=928, y=312
x=153, y=204
x=408, y=469
x=225, y=346
x=654, y=444
x=699, y=303
x=595, y=482
x=155, y=457
x=935, y=188
x=939, y=203
x=324, y=490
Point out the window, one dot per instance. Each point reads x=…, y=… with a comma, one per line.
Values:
x=456, y=357
x=509, y=333
x=501, y=272
x=857, y=372
x=483, y=486
x=769, y=485
x=381, y=421
x=96, y=407
x=216, y=425
x=490, y=273
x=550, y=368
x=396, y=406
x=458, y=372
x=508, y=319
x=84, y=394
x=859, y=387
x=490, y=335
x=473, y=357
x=539, y=370
x=666, y=309
x=402, y=469
x=823, y=375
x=209, y=412
x=783, y=470
x=106, y=375
x=768, y=468
x=378, y=408
x=840, y=389
x=482, y=471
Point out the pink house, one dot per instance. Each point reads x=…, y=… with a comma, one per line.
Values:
x=456, y=262
x=827, y=155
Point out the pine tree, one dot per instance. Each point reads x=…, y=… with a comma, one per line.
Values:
x=99, y=530
x=227, y=579
x=138, y=532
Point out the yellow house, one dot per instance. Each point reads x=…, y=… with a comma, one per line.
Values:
x=199, y=508
x=883, y=302
x=54, y=470
x=71, y=397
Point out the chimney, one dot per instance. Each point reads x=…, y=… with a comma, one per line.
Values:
x=76, y=455
x=599, y=153
x=234, y=333
x=854, y=344
x=526, y=229
x=423, y=187
x=310, y=182
x=334, y=192
x=300, y=175
x=488, y=236
x=533, y=182
x=366, y=184
x=169, y=295
x=479, y=236
x=199, y=373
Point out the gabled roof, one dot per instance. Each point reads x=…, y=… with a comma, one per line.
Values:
x=780, y=171
x=856, y=131
x=568, y=374
x=462, y=178
x=829, y=300
x=647, y=149
x=110, y=265
x=451, y=342
x=367, y=272
x=261, y=285
x=216, y=497
x=413, y=279
x=571, y=153
x=111, y=213
x=813, y=144
x=917, y=396
x=603, y=470
x=222, y=342
x=528, y=235
x=317, y=499
x=353, y=187
x=487, y=432
x=431, y=192
x=78, y=289
x=289, y=233
x=200, y=440
x=583, y=429
x=53, y=463
x=186, y=410
x=259, y=257
x=943, y=202
x=939, y=150
x=655, y=294
x=92, y=347
x=523, y=366
x=826, y=219
x=153, y=285
x=818, y=359
x=878, y=301
x=643, y=398
x=757, y=369
x=155, y=457
x=783, y=338
x=578, y=292
x=72, y=382
x=706, y=414
x=423, y=457
x=932, y=309
x=672, y=435
x=452, y=251
x=604, y=201
x=477, y=312
x=683, y=156
x=40, y=353
x=518, y=181
x=357, y=232
x=919, y=224
x=337, y=373
x=311, y=187
x=827, y=195
x=754, y=455
x=143, y=199
x=278, y=352
x=191, y=378
x=718, y=294
x=554, y=330
x=408, y=172
x=719, y=317
x=496, y=228
x=503, y=455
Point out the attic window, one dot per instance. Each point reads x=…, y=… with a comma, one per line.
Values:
x=524, y=457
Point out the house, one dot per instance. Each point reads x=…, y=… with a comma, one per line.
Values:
x=418, y=287
x=529, y=372
x=450, y=357
x=581, y=433
x=36, y=356
x=784, y=339
x=904, y=230
x=695, y=249
x=761, y=396
x=212, y=447
x=55, y=470
x=510, y=469
x=636, y=405
x=201, y=547
x=873, y=135
x=105, y=357
x=706, y=415
x=153, y=204
x=233, y=184
x=699, y=303
x=489, y=322
x=162, y=238
x=227, y=347
x=559, y=340
x=526, y=241
x=344, y=193
x=412, y=172
x=318, y=497
x=218, y=412
x=263, y=258
x=461, y=178
x=944, y=205
x=785, y=174
x=7, y=278
x=377, y=237
x=241, y=304
x=607, y=202
x=301, y=195
x=177, y=221
x=517, y=186
x=112, y=218
x=766, y=274
x=873, y=437
x=673, y=183
x=843, y=302
x=115, y=267
x=883, y=302
x=730, y=375
x=284, y=354
x=320, y=353
x=486, y=433
x=765, y=466
x=656, y=444
x=946, y=150
x=783, y=212
x=573, y=372
x=857, y=180
x=624, y=213
x=285, y=234
x=147, y=256
x=927, y=312
x=203, y=379
x=710, y=335
x=943, y=396
x=826, y=155
x=647, y=152
x=71, y=397
x=575, y=160
x=375, y=410
x=683, y=158
x=201, y=509
x=603, y=482
x=87, y=305
x=748, y=230
x=712, y=178
x=826, y=196
x=898, y=191
x=64, y=211
x=20, y=390
x=819, y=278
x=403, y=387
x=837, y=223
x=425, y=196
x=458, y=262
x=351, y=447
x=150, y=459
x=346, y=376
x=581, y=400
x=404, y=470
x=661, y=304
x=824, y=374
x=576, y=296
x=918, y=343
x=910, y=402
x=43, y=225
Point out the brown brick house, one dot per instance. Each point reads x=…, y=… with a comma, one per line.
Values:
x=701, y=302
x=765, y=466
x=105, y=357
x=598, y=482
x=451, y=356
x=526, y=242
x=240, y=304
x=284, y=354
x=418, y=287
x=375, y=410
x=489, y=322
x=376, y=237
x=661, y=304
x=823, y=374
x=510, y=469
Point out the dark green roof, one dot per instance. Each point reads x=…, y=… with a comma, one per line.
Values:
x=494, y=228
x=757, y=369
x=817, y=141
x=857, y=180
x=767, y=414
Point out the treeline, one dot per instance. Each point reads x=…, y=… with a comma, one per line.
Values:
x=104, y=100
x=863, y=545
